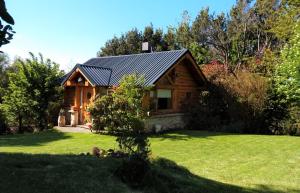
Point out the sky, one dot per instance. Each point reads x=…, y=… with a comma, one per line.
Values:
x=72, y=31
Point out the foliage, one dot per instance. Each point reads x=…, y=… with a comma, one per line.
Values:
x=123, y=113
x=233, y=102
x=3, y=125
x=264, y=66
x=287, y=73
x=33, y=91
x=250, y=91
x=131, y=41
x=285, y=90
x=3, y=74
x=6, y=31
x=244, y=48
x=249, y=30
x=209, y=112
x=287, y=16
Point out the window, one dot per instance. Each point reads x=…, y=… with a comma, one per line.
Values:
x=188, y=95
x=101, y=91
x=164, y=99
x=89, y=95
x=70, y=96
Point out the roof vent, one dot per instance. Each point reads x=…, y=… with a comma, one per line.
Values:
x=146, y=47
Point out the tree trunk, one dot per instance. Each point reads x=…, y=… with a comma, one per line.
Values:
x=258, y=42
x=20, y=127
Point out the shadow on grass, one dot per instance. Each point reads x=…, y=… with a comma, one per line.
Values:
x=32, y=139
x=169, y=177
x=29, y=173
x=188, y=134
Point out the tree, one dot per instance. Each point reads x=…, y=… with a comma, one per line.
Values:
x=199, y=47
x=265, y=13
x=282, y=112
x=287, y=74
x=32, y=89
x=123, y=114
x=6, y=31
x=287, y=16
x=183, y=32
x=170, y=39
x=239, y=30
x=16, y=104
x=128, y=43
x=3, y=74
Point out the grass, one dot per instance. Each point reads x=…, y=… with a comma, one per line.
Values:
x=194, y=161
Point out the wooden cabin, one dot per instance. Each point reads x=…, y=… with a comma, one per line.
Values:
x=174, y=76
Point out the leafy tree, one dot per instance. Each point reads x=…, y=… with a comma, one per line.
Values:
x=3, y=74
x=123, y=113
x=134, y=41
x=16, y=104
x=110, y=48
x=288, y=16
x=239, y=29
x=128, y=43
x=199, y=47
x=170, y=39
x=183, y=32
x=287, y=74
x=32, y=89
x=282, y=110
x=265, y=13
x=6, y=31
x=201, y=54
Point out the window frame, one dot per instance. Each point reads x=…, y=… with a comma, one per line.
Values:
x=155, y=99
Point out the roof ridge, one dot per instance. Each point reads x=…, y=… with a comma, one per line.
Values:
x=140, y=54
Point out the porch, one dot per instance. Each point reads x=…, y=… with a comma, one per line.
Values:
x=79, y=93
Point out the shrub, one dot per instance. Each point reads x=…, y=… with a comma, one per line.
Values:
x=234, y=102
x=101, y=111
x=208, y=113
x=123, y=114
x=96, y=151
x=250, y=93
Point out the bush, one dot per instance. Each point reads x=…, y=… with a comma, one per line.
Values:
x=232, y=103
x=96, y=151
x=208, y=113
x=123, y=114
x=288, y=124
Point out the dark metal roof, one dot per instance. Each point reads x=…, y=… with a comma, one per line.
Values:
x=108, y=71
x=97, y=75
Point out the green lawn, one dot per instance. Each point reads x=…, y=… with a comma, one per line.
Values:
x=194, y=161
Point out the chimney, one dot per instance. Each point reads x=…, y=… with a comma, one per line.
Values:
x=146, y=48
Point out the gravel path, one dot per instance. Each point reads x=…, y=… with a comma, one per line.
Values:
x=73, y=129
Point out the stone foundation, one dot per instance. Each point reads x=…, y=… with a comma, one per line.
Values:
x=159, y=123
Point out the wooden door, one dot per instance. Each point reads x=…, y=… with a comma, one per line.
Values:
x=86, y=94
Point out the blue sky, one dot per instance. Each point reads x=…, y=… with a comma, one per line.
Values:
x=72, y=31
